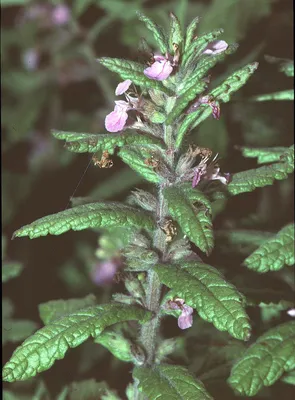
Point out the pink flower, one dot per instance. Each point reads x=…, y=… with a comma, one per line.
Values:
x=60, y=15
x=215, y=47
x=160, y=69
x=185, y=320
x=105, y=271
x=122, y=87
x=116, y=120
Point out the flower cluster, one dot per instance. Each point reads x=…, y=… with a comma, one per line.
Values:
x=160, y=70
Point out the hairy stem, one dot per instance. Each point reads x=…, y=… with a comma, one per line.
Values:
x=153, y=294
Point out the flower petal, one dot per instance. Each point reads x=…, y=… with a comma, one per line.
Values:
x=216, y=47
x=116, y=120
x=186, y=319
x=159, y=70
x=122, y=87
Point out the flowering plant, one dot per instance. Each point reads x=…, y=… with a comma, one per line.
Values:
x=167, y=231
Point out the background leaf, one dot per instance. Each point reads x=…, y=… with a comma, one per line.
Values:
x=265, y=361
x=275, y=253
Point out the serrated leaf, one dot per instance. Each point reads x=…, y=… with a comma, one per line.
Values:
x=265, y=361
x=194, y=118
x=57, y=308
x=282, y=95
x=205, y=289
x=194, y=77
x=92, y=143
x=275, y=253
x=135, y=158
x=182, y=101
x=190, y=32
x=196, y=224
x=94, y=215
x=11, y=270
x=247, y=181
x=133, y=71
x=264, y=154
x=15, y=330
x=157, y=32
x=39, y=352
x=233, y=82
x=175, y=36
x=198, y=45
x=171, y=381
x=196, y=196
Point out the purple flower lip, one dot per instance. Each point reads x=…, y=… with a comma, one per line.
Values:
x=160, y=69
x=122, y=87
x=215, y=47
x=116, y=120
x=185, y=320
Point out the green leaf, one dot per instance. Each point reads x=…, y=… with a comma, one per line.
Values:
x=11, y=270
x=117, y=344
x=264, y=154
x=135, y=158
x=175, y=36
x=190, y=33
x=282, y=95
x=275, y=253
x=39, y=352
x=265, y=361
x=182, y=101
x=234, y=82
x=289, y=378
x=196, y=224
x=194, y=77
x=133, y=71
x=196, y=196
x=58, y=308
x=94, y=215
x=92, y=143
x=194, y=118
x=172, y=381
x=205, y=289
x=157, y=32
x=15, y=330
x=198, y=46
x=247, y=181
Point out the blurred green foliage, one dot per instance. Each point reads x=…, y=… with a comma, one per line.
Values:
x=51, y=80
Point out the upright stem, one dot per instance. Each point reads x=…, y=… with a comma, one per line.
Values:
x=154, y=286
